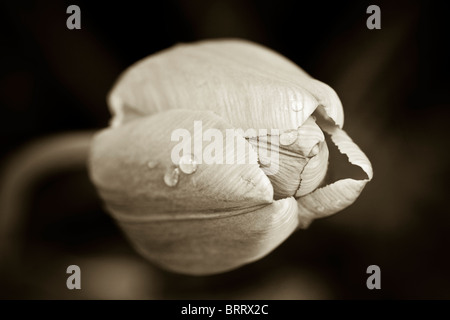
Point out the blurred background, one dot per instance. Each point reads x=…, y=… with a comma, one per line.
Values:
x=394, y=86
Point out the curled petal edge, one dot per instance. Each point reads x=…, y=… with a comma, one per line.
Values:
x=336, y=196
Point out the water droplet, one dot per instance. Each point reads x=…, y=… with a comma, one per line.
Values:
x=288, y=137
x=314, y=151
x=338, y=202
x=265, y=162
x=152, y=164
x=320, y=208
x=296, y=106
x=172, y=176
x=188, y=164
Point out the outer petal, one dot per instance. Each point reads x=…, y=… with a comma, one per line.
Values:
x=119, y=168
x=208, y=246
x=248, y=85
x=327, y=98
x=217, y=219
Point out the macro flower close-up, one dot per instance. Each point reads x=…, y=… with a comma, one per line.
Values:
x=216, y=153
x=224, y=150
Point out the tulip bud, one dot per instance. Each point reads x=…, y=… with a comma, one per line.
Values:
x=181, y=203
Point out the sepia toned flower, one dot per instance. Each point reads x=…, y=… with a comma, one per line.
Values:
x=192, y=213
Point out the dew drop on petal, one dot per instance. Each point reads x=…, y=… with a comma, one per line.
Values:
x=320, y=208
x=288, y=137
x=188, y=164
x=314, y=151
x=172, y=176
x=152, y=164
x=338, y=202
x=296, y=106
x=265, y=162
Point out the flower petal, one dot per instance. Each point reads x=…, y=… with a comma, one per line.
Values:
x=216, y=244
x=337, y=196
x=247, y=84
x=119, y=168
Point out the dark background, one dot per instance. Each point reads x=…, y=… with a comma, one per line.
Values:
x=394, y=86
